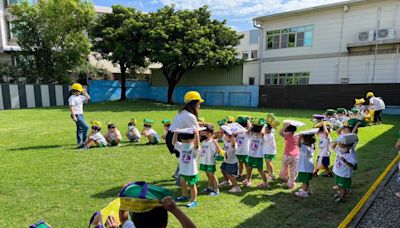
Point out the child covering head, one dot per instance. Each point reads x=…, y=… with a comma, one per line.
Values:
x=188, y=149
x=95, y=137
x=323, y=160
x=209, y=149
x=344, y=163
x=167, y=123
x=269, y=150
x=290, y=155
x=229, y=167
x=256, y=153
x=243, y=144
x=113, y=135
x=133, y=133
x=150, y=133
x=306, y=143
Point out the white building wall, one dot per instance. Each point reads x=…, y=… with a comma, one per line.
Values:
x=250, y=69
x=246, y=44
x=322, y=58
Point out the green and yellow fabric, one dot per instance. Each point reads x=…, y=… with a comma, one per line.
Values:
x=166, y=122
x=398, y=134
x=330, y=112
x=320, y=124
x=242, y=119
x=148, y=122
x=133, y=121
x=359, y=101
x=354, y=110
x=259, y=122
x=353, y=122
x=221, y=122
x=40, y=224
x=140, y=197
x=202, y=120
x=95, y=123
x=341, y=110
x=230, y=119
x=272, y=120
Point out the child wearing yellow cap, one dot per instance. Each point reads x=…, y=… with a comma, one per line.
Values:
x=133, y=133
x=95, y=137
x=75, y=101
x=150, y=133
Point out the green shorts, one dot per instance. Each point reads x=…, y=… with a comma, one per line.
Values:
x=114, y=143
x=256, y=162
x=343, y=182
x=304, y=177
x=102, y=145
x=208, y=168
x=269, y=157
x=191, y=180
x=242, y=158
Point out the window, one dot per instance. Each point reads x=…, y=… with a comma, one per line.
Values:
x=287, y=79
x=12, y=2
x=252, y=80
x=245, y=54
x=254, y=54
x=11, y=34
x=290, y=37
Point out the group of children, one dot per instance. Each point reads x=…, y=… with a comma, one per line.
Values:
x=113, y=136
x=251, y=144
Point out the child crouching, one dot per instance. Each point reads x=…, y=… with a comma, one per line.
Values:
x=133, y=133
x=95, y=137
x=113, y=135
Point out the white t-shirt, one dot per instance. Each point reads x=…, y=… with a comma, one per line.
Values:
x=243, y=143
x=342, y=169
x=230, y=152
x=187, y=158
x=377, y=103
x=207, y=152
x=114, y=135
x=269, y=144
x=77, y=103
x=256, y=147
x=324, y=145
x=184, y=119
x=99, y=137
x=306, y=163
x=152, y=132
x=128, y=224
x=133, y=131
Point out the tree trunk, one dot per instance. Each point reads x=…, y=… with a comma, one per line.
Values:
x=171, y=87
x=173, y=80
x=123, y=83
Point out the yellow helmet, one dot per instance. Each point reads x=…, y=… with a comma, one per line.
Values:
x=77, y=86
x=193, y=96
x=370, y=94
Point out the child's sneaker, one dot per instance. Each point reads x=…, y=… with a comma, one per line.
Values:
x=302, y=194
x=225, y=183
x=192, y=204
x=235, y=189
x=247, y=183
x=206, y=190
x=263, y=185
x=214, y=194
x=181, y=199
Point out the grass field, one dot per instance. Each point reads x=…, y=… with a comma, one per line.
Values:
x=44, y=177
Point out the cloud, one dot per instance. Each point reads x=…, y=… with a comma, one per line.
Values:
x=247, y=8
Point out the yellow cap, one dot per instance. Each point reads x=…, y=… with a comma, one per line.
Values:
x=95, y=123
x=193, y=96
x=360, y=101
x=77, y=86
x=370, y=94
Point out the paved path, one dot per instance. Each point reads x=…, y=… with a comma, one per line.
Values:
x=385, y=210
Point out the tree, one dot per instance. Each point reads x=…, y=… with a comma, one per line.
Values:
x=185, y=40
x=118, y=36
x=52, y=37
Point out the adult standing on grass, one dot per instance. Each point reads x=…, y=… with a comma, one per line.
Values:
x=377, y=104
x=187, y=117
x=77, y=96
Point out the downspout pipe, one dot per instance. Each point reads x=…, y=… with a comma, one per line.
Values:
x=260, y=49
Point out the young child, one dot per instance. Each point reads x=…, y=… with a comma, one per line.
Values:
x=150, y=133
x=209, y=148
x=95, y=137
x=341, y=115
x=306, y=143
x=167, y=123
x=229, y=167
x=113, y=135
x=189, y=150
x=323, y=160
x=344, y=163
x=269, y=150
x=243, y=143
x=256, y=153
x=133, y=133
x=290, y=155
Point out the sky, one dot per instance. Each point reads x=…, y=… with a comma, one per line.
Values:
x=238, y=13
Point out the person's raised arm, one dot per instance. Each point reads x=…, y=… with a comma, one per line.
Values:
x=282, y=130
x=216, y=145
x=233, y=141
x=326, y=131
x=249, y=125
x=354, y=131
x=87, y=96
x=174, y=138
x=339, y=131
x=170, y=205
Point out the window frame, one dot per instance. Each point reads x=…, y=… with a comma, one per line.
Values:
x=276, y=39
x=289, y=78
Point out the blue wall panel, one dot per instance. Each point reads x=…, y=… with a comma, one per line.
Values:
x=214, y=95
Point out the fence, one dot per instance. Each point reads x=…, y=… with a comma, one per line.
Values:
x=15, y=96
x=325, y=96
x=246, y=96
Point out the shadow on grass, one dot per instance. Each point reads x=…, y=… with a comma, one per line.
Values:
x=43, y=147
x=320, y=209
x=110, y=193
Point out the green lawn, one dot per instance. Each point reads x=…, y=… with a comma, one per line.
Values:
x=44, y=177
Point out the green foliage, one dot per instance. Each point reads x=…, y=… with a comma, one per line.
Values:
x=52, y=37
x=44, y=177
x=118, y=36
x=183, y=40
x=8, y=73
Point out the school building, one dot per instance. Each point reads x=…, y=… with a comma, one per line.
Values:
x=351, y=42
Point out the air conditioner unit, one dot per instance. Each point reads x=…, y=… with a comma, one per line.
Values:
x=385, y=34
x=344, y=80
x=366, y=36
